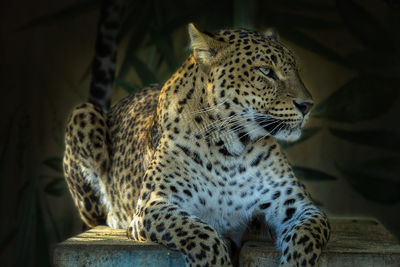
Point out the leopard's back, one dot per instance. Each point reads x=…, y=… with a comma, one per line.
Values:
x=134, y=135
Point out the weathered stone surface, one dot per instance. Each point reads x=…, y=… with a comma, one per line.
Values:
x=354, y=242
x=104, y=246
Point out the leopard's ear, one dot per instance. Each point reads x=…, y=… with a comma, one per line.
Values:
x=205, y=48
x=271, y=33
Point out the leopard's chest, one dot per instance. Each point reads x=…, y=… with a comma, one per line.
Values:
x=226, y=195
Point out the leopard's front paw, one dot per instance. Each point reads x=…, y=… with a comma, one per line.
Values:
x=300, y=249
x=136, y=232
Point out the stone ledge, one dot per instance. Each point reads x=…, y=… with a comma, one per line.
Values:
x=104, y=246
x=354, y=242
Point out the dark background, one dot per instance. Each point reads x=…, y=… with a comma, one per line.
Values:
x=349, y=156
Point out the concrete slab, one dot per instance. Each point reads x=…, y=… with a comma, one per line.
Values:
x=104, y=246
x=354, y=242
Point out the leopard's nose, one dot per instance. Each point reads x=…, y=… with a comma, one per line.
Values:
x=303, y=106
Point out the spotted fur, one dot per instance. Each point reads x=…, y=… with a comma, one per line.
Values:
x=192, y=164
x=103, y=66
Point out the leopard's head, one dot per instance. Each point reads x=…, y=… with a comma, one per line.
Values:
x=253, y=82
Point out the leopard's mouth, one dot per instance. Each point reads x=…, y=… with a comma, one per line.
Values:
x=271, y=125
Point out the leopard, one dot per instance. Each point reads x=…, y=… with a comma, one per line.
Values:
x=190, y=163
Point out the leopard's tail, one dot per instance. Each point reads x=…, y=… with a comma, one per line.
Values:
x=87, y=140
x=104, y=63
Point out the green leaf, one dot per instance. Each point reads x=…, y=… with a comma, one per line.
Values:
x=69, y=12
x=136, y=17
x=312, y=175
x=164, y=26
x=377, y=138
x=377, y=180
x=164, y=46
x=55, y=163
x=129, y=87
x=134, y=25
x=305, y=134
x=133, y=45
x=57, y=187
x=145, y=74
x=362, y=98
x=364, y=26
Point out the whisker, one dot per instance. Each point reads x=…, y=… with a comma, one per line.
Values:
x=234, y=124
x=234, y=129
x=220, y=123
x=208, y=109
x=276, y=127
x=270, y=121
x=267, y=121
x=222, y=120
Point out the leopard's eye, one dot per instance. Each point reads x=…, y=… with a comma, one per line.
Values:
x=268, y=72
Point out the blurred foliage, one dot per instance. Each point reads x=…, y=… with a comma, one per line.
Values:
x=362, y=98
x=153, y=33
x=379, y=138
x=376, y=179
x=369, y=95
x=35, y=227
x=310, y=174
x=305, y=134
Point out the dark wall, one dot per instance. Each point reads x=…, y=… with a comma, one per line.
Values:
x=350, y=61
